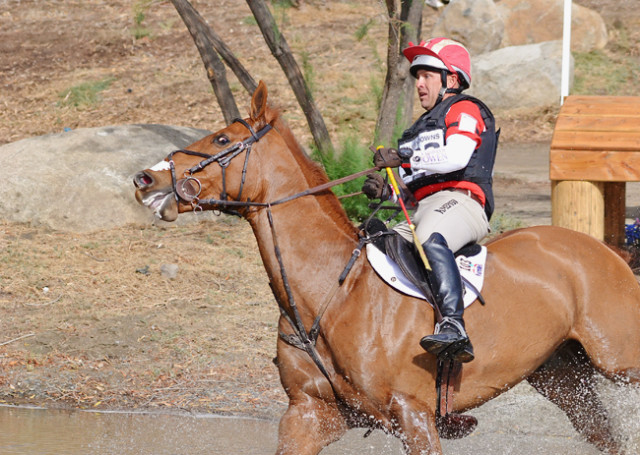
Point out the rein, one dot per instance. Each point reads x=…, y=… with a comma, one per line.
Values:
x=188, y=190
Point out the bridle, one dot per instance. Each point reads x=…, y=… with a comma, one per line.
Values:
x=188, y=189
x=184, y=189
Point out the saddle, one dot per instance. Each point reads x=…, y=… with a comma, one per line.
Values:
x=406, y=256
x=450, y=425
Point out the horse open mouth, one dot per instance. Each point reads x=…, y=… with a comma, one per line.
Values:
x=162, y=204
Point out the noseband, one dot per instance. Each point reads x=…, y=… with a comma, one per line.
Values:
x=188, y=189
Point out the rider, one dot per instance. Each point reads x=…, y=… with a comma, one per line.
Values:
x=446, y=161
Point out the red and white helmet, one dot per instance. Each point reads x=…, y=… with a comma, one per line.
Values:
x=440, y=54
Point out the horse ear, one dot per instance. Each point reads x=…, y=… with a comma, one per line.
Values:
x=259, y=104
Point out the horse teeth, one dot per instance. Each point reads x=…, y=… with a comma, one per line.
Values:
x=156, y=201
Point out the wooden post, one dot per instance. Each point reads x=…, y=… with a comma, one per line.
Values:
x=615, y=205
x=579, y=206
x=595, y=149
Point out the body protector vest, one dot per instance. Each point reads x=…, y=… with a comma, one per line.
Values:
x=427, y=134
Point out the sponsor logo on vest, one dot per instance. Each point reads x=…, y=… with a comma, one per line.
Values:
x=446, y=206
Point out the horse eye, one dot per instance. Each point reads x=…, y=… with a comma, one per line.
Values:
x=221, y=140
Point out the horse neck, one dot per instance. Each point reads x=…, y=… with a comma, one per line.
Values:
x=313, y=234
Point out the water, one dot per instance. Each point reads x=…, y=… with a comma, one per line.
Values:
x=47, y=432
x=519, y=422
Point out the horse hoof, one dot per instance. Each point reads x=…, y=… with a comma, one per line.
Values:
x=456, y=426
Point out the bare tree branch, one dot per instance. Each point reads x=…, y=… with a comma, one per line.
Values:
x=281, y=51
x=204, y=38
x=397, y=97
x=223, y=50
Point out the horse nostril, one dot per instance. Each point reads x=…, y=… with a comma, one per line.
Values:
x=142, y=179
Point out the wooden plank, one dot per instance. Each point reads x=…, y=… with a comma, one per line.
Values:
x=589, y=109
x=594, y=165
x=602, y=105
x=578, y=206
x=596, y=140
x=599, y=99
x=611, y=124
x=595, y=149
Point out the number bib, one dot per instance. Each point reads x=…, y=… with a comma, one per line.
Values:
x=426, y=149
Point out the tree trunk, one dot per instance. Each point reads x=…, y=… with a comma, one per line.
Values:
x=281, y=51
x=204, y=37
x=397, y=97
x=412, y=16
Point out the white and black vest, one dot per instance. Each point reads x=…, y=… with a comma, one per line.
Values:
x=428, y=133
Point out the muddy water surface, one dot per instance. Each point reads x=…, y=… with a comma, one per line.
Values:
x=43, y=432
x=519, y=422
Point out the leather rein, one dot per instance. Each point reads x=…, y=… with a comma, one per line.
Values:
x=188, y=189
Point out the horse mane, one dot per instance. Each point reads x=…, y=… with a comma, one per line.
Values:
x=312, y=171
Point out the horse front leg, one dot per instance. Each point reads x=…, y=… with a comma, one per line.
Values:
x=309, y=425
x=313, y=419
x=416, y=427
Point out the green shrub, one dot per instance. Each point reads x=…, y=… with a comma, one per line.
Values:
x=139, y=14
x=353, y=157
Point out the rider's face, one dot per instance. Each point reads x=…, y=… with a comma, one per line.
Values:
x=428, y=84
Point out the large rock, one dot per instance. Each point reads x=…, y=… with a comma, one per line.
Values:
x=535, y=21
x=475, y=23
x=519, y=77
x=81, y=180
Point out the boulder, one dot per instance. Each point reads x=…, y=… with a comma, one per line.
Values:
x=535, y=21
x=519, y=78
x=475, y=23
x=81, y=180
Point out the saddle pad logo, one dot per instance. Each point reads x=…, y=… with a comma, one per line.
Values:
x=464, y=264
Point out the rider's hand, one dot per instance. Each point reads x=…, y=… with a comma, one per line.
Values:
x=385, y=157
x=375, y=187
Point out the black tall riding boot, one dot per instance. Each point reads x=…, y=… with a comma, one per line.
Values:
x=450, y=340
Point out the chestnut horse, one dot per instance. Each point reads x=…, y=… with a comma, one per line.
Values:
x=560, y=306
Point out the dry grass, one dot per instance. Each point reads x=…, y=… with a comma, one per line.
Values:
x=103, y=324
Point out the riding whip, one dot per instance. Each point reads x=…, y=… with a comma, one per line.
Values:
x=416, y=241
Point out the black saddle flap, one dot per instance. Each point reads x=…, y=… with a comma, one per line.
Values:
x=406, y=256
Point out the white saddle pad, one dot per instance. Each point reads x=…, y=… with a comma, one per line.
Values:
x=471, y=269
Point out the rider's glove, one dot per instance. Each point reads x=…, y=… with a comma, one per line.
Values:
x=385, y=157
x=376, y=188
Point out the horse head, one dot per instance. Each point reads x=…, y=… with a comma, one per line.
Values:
x=211, y=173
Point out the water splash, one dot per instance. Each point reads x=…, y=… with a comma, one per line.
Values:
x=623, y=404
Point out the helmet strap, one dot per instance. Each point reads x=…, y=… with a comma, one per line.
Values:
x=444, y=89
